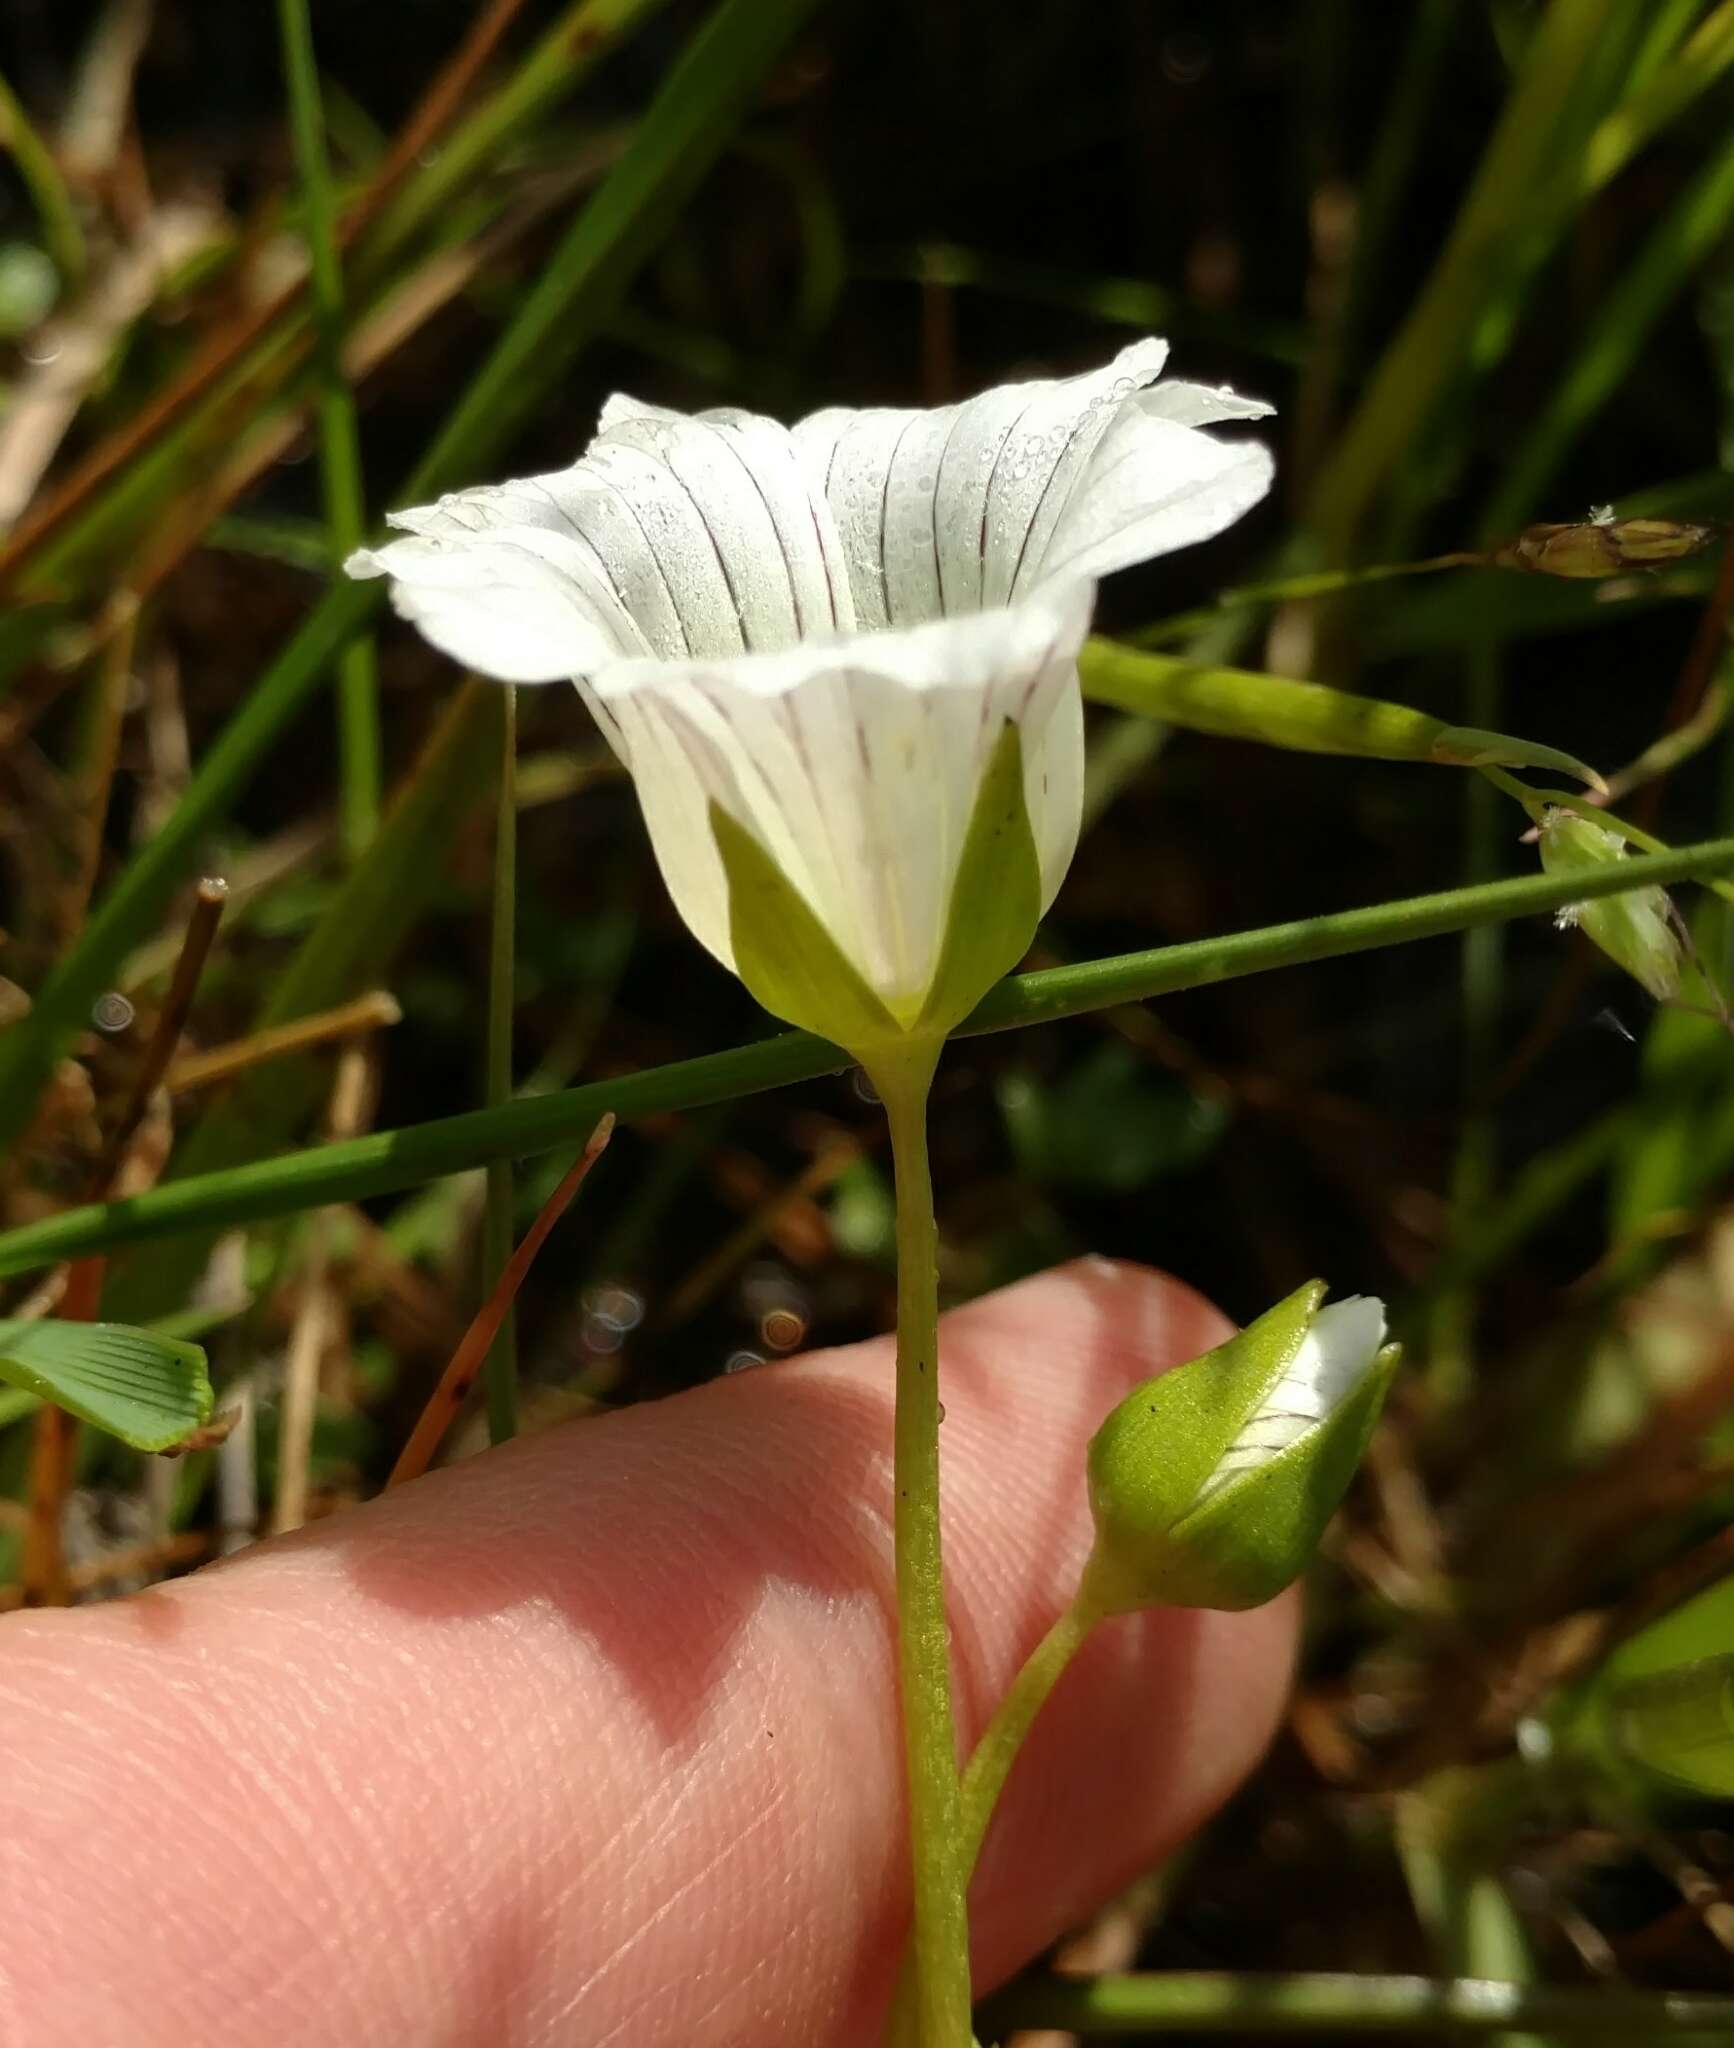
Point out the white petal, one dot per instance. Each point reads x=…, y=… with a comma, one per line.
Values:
x=847, y=458
x=1046, y=454
x=1151, y=486
x=1333, y=1358
x=1200, y=405
x=709, y=527
x=513, y=601
x=945, y=512
x=675, y=536
x=856, y=763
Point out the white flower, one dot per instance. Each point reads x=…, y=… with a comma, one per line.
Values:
x=825, y=630
x=1334, y=1357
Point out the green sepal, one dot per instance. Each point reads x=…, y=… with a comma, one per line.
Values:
x=784, y=954
x=996, y=900
x=1257, y=1534
x=152, y=1392
x=1633, y=929
x=1151, y=1456
x=795, y=968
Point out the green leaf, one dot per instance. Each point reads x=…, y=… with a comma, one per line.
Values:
x=784, y=954
x=1679, y=1724
x=151, y=1392
x=1308, y=718
x=1662, y=1705
x=996, y=901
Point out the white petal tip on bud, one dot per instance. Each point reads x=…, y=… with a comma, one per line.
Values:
x=1334, y=1357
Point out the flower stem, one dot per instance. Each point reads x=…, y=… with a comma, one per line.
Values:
x=941, y=1924
x=991, y=1761
x=990, y=1764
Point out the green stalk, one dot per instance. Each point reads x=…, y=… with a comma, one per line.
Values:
x=501, y=1368
x=386, y=1162
x=1663, y=95
x=1329, y=2004
x=55, y=212
x=1672, y=249
x=339, y=440
x=1515, y=195
x=941, y=1920
x=541, y=81
x=691, y=119
x=991, y=1761
x=993, y=1756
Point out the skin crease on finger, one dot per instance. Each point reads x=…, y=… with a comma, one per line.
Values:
x=592, y=1740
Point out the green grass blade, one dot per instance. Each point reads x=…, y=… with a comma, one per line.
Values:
x=501, y=1368
x=149, y=1391
x=1661, y=98
x=1514, y=197
x=670, y=150
x=389, y=1161
x=1691, y=231
x=339, y=440
x=547, y=76
x=372, y=916
x=58, y=217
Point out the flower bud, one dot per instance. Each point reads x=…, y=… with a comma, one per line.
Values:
x=1603, y=546
x=1634, y=928
x=1212, y=1484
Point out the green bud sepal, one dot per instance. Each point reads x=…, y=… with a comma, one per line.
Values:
x=1635, y=928
x=1212, y=1484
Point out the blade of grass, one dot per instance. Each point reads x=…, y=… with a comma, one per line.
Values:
x=62, y=237
x=680, y=136
x=1668, y=254
x=1331, y=2004
x=339, y=439
x=1661, y=97
x=1515, y=195
x=546, y=77
x=393, y=1160
x=501, y=1367
x=374, y=912
x=243, y=347
x=460, y=1375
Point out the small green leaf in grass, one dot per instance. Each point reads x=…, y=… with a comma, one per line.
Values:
x=149, y=1391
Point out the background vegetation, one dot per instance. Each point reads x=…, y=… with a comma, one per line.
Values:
x=1479, y=254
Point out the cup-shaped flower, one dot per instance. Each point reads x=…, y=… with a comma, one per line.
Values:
x=1635, y=928
x=1212, y=1484
x=839, y=660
